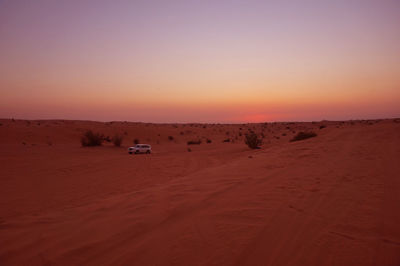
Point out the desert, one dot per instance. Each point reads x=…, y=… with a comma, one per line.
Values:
x=328, y=200
x=229, y=133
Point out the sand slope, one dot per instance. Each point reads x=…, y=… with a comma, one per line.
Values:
x=329, y=200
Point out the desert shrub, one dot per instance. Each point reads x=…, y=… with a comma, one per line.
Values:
x=136, y=141
x=117, y=140
x=227, y=140
x=303, y=135
x=90, y=139
x=322, y=126
x=189, y=149
x=194, y=142
x=107, y=138
x=252, y=140
x=170, y=138
x=208, y=140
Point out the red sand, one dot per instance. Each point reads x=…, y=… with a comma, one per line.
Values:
x=329, y=200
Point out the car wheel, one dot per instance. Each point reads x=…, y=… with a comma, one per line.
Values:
x=130, y=152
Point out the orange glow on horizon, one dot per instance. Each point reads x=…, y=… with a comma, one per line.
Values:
x=167, y=63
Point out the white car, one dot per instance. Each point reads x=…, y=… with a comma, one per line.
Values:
x=140, y=148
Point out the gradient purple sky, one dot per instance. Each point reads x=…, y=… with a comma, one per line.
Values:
x=200, y=61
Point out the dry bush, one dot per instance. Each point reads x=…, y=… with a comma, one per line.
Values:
x=136, y=141
x=252, y=141
x=227, y=140
x=170, y=138
x=117, y=140
x=194, y=142
x=90, y=139
x=208, y=140
x=303, y=135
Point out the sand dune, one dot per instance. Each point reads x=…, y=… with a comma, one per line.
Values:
x=329, y=200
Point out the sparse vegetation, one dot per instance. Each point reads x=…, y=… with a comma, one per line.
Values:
x=208, y=140
x=252, y=140
x=227, y=140
x=117, y=140
x=303, y=135
x=170, y=138
x=194, y=142
x=189, y=149
x=136, y=141
x=90, y=139
x=322, y=126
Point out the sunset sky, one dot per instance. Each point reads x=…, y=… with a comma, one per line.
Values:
x=200, y=61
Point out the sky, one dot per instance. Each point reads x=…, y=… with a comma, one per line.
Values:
x=200, y=61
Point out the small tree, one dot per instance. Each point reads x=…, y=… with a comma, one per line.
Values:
x=90, y=139
x=117, y=140
x=252, y=140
